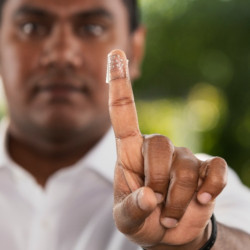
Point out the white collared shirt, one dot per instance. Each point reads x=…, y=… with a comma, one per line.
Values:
x=74, y=211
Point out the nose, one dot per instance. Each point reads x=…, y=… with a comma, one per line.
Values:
x=61, y=48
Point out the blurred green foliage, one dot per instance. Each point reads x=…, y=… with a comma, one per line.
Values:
x=195, y=82
x=196, y=74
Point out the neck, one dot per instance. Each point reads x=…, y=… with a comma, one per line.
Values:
x=43, y=158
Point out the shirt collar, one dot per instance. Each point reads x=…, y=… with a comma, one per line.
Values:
x=101, y=158
x=4, y=156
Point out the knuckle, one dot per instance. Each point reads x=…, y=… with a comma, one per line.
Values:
x=217, y=182
x=184, y=156
x=219, y=167
x=185, y=151
x=186, y=177
x=158, y=180
x=159, y=141
x=219, y=162
x=174, y=211
x=186, y=163
x=128, y=134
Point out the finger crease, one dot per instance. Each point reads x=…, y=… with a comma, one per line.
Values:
x=128, y=135
x=122, y=102
x=131, y=171
x=176, y=207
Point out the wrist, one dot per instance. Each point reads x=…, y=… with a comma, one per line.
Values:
x=203, y=242
x=209, y=244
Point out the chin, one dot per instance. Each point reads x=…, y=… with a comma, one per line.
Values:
x=61, y=122
x=65, y=123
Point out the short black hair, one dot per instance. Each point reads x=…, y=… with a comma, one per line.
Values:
x=131, y=5
x=134, y=13
x=1, y=8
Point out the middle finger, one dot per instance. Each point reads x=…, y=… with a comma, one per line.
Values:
x=184, y=177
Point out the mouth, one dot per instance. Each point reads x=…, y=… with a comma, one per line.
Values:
x=58, y=88
x=61, y=90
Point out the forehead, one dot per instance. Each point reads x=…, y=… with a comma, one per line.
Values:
x=65, y=8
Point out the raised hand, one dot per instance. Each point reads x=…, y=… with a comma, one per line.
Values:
x=163, y=195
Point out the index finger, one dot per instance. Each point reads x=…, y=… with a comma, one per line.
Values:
x=121, y=99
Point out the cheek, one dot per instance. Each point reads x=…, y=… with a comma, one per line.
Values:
x=11, y=67
x=102, y=86
x=17, y=63
x=103, y=97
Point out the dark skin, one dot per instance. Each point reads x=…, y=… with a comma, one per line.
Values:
x=53, y=64
x=178, y=218
x=57, y=99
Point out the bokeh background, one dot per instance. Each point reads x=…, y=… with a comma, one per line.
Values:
x=195, y=86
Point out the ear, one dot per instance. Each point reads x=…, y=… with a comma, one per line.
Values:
x=137, y=52
x=0, y=50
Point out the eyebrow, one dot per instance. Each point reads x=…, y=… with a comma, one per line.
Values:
x=99, y=12
x=39, y=12
x=30, y=10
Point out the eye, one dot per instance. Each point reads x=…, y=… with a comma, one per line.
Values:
x=94, y=30
x=34, y=29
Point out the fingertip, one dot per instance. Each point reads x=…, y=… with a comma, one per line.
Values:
x=159, y=198
x=169, y=222
x=147, y=200
x=117, y=66
x=116, y=52
x=204, y=198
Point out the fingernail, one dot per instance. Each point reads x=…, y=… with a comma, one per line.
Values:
x=142, y=202
x=169, y=222
x=204, y=198
x=159, y=197
x=117, y=66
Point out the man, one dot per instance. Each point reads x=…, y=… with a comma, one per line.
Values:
x=58, y=152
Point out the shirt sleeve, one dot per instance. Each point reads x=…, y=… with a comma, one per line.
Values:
x=233, y=204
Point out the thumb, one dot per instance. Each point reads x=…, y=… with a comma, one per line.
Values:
x=130, y=213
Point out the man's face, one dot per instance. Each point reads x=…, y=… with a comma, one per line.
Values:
x=53, y=61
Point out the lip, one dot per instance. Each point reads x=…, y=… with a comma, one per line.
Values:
x=61, y=88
